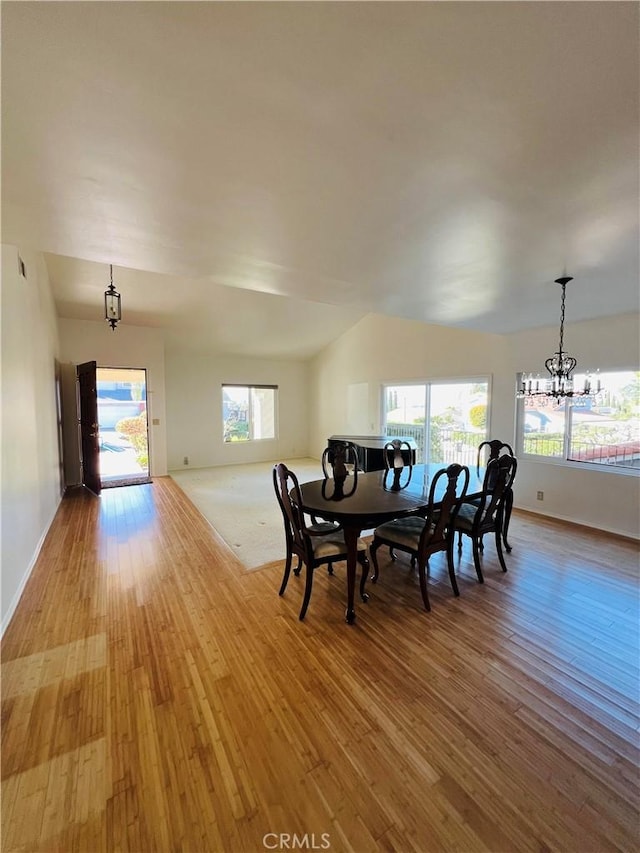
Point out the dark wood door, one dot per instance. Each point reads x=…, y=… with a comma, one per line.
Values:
x=89, y=431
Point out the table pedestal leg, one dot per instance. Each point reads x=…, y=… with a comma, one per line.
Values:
x=351, y=539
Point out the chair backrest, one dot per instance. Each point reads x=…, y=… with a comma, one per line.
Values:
x=498, y=479
x=339, y=461
x=287, y=489
x=397, y=455
x=337, y=456
x=455, y=492
x=496, y=448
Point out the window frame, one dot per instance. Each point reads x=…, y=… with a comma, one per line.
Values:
x=564, y=461
x=429, y=383
x=249, y=387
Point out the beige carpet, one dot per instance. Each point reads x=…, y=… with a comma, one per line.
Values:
x=239, y=501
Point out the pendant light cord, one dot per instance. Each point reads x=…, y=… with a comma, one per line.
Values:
x=564, y=288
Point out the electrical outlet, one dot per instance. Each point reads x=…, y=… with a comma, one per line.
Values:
x=185, y=461
x=540, y=496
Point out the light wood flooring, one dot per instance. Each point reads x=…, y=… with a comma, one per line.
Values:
x=157, y=697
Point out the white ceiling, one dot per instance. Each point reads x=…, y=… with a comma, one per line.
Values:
x=261, y=175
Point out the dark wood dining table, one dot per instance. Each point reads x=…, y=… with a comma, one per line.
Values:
x=371, y=504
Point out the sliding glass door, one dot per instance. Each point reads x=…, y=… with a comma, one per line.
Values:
x=448, y=420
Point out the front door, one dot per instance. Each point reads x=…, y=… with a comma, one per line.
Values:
x=89, y=430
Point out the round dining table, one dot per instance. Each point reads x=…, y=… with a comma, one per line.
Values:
x=367, y=500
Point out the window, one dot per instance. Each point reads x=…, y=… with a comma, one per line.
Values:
x=604, y=430
x=248, y=412
x=448, y=420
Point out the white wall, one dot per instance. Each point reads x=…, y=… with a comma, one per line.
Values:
x=194, y=409
x=30, y=470
x=126, y=346
x=381, y=350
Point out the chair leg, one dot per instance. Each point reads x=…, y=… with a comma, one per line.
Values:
x=392, y=553
x=373, y=549
x=422, y=573
x=287, y=570
x=298, y=568
x=364, y=562
x=508, y=506
x=450, y=567
x=476, y=558
x=459, y=541
x=499, y=547
x=307, y=592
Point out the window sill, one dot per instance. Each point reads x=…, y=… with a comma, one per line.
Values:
x=581, y=466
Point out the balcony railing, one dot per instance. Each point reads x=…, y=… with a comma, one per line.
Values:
x=453, y=445
x=415, y=431
x=447, y=444
x=625, y=453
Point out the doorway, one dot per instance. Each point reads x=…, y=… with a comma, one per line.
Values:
x=122, y=426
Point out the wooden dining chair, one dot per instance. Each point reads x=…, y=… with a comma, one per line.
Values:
x=340, y=463
x=423, y=536
x=398, y=456
x=497, y=448
x=316, y=544
x=486, y=514
x=341, y=459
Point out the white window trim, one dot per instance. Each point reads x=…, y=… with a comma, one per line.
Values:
x=251, y=439
x=438, y=380
x=562, y=462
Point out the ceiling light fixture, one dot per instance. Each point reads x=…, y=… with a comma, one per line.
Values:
x=560, y=367
x=112, y=308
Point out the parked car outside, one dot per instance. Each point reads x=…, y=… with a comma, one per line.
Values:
x=111, y=411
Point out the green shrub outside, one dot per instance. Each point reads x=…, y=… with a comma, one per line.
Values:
x=135, y=429
x=551, y=444
x=236, y=431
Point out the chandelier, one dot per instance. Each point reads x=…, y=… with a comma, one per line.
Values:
x=112, y=308
x=559, y=383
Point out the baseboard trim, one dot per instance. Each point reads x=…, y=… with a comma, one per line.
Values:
x=34, y=559
x=608, y=530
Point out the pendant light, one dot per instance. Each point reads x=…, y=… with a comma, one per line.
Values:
x=112, y=307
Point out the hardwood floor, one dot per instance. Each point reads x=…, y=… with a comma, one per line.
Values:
x=157, y=697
